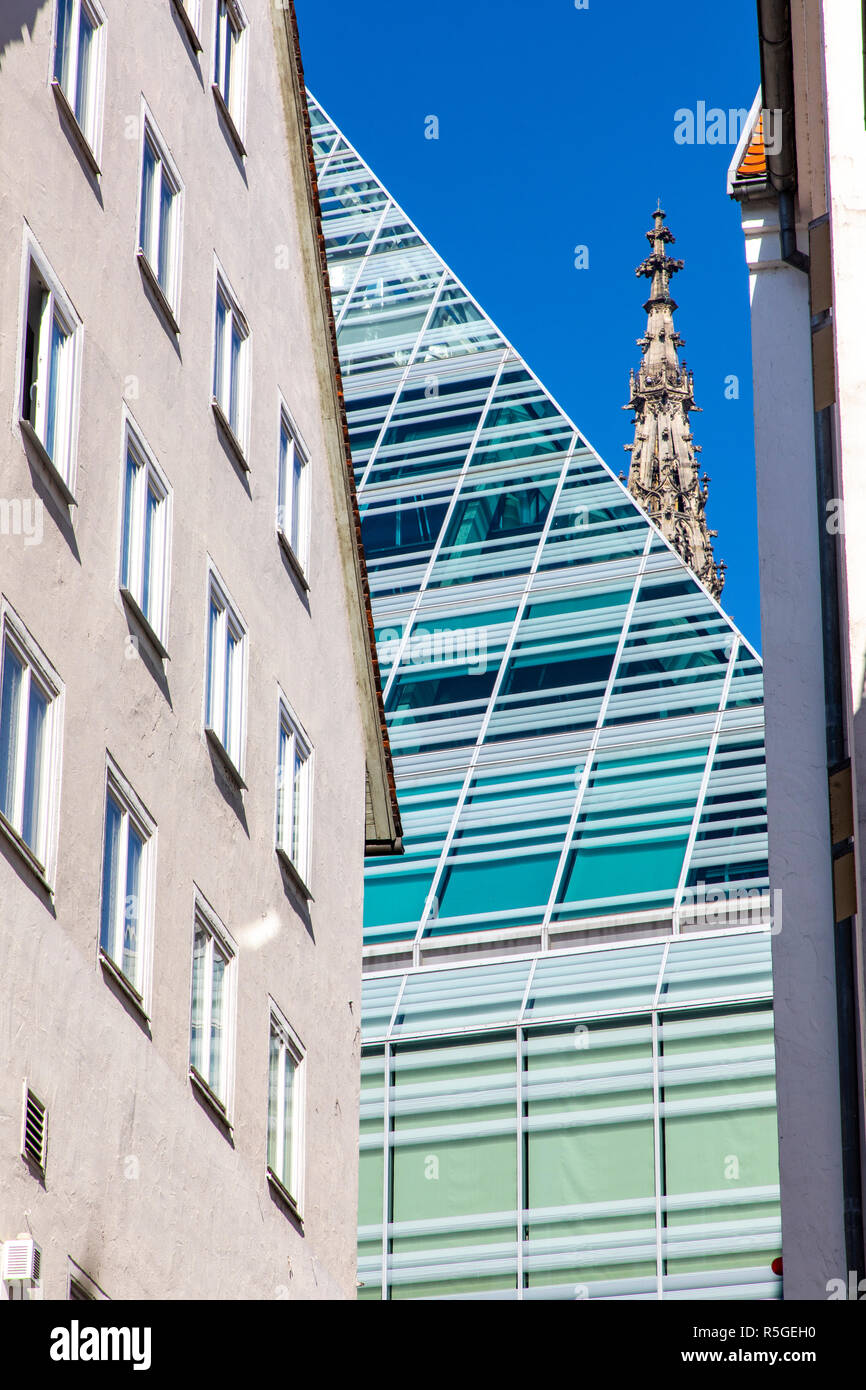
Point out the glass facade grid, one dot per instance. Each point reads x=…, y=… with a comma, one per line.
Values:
x=577, y=731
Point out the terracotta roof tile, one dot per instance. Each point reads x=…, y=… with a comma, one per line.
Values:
x=754, y=162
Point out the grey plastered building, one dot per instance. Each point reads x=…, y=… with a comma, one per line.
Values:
x=192, y=756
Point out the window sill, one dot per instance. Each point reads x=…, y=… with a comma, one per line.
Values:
x=293, y=559
x=144, y=622
x=237, y=138
x=284, y=1194
x=71, y=120
x=54, y=474
x=225, y=757
x=18, y=843
x=291, y=869
x=128, y=988
x=210, y=1097
x=159, y=293
x=195, y=42
x=232, y=440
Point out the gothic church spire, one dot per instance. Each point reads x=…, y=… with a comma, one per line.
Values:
x=663, y=475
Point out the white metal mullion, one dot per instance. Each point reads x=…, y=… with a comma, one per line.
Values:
x=596, y=734
x=520, y=1172
x=386, y=1164
x=434, y=554
x=364, y=259
x=657, y=1154
x=389, y=414
x=705, y=781
x=497, y=686
x=530, y=979
x=396, y=1009
x=657, y=1120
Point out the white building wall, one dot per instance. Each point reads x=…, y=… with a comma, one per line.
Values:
x=799, y=836
x=143, y=1188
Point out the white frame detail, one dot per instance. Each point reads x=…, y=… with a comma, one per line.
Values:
x=133, y=813
x=165, y=280
x=190, y=14
x=61, y=431
x=219, y=1090
x=294, y=822
x=230, y=737
x=221, y=381
x=231, y=35
x=88, y=123
x=42, y=855
x=149, y=479
x=291, y=1185
x=293, y=491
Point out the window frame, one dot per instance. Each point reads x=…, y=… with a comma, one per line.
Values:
x=61, y=464
x=233, y=758
x=292, y=1046
x=132, y=589
x=191, y=16
x=218, y=939
x=289, y=724
x=89, y=140
x=165, y=170
x=230, y=15
x=133, y=813
x=299, y=554
x=41, y=858
x=237, y=434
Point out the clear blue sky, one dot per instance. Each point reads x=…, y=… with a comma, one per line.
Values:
x=556, y=129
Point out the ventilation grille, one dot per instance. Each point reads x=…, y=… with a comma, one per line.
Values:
x=34, y=1142
x=21, y=1261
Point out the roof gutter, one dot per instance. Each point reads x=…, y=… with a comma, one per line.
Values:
x=777, y=86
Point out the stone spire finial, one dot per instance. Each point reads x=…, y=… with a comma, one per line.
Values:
x=663, y=476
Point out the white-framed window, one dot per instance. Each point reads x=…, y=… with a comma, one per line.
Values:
x=145, y=547
x=286, y=1085
x=128, y=878
x=212, y=1006
x=231, y=364
x=231, y=33
x=225, y=690
x=30, y=719
x=293, y=489
x=50, y=366
x=294, y=791
x=79, y=48
x=160, y=210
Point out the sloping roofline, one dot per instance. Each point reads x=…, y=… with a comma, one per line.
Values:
x=383, y=834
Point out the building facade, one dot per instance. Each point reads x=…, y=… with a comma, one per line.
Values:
x=568, y=1061
x=799, y=174
x=191, y=747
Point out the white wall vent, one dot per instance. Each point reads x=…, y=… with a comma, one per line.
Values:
x=34, y=1129
x=21, y=1261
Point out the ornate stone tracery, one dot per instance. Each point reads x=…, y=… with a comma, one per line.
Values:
x=663, y=473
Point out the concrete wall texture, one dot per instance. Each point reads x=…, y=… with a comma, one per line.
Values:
x=144, y=1188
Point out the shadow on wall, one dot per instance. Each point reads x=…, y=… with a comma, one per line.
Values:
x=16, y=16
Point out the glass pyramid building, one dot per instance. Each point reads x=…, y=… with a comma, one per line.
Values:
x=567, y=1078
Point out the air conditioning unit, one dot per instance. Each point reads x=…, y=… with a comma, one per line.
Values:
x=20, y=1261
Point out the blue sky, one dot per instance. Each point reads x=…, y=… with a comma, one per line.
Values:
x=556, y=130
